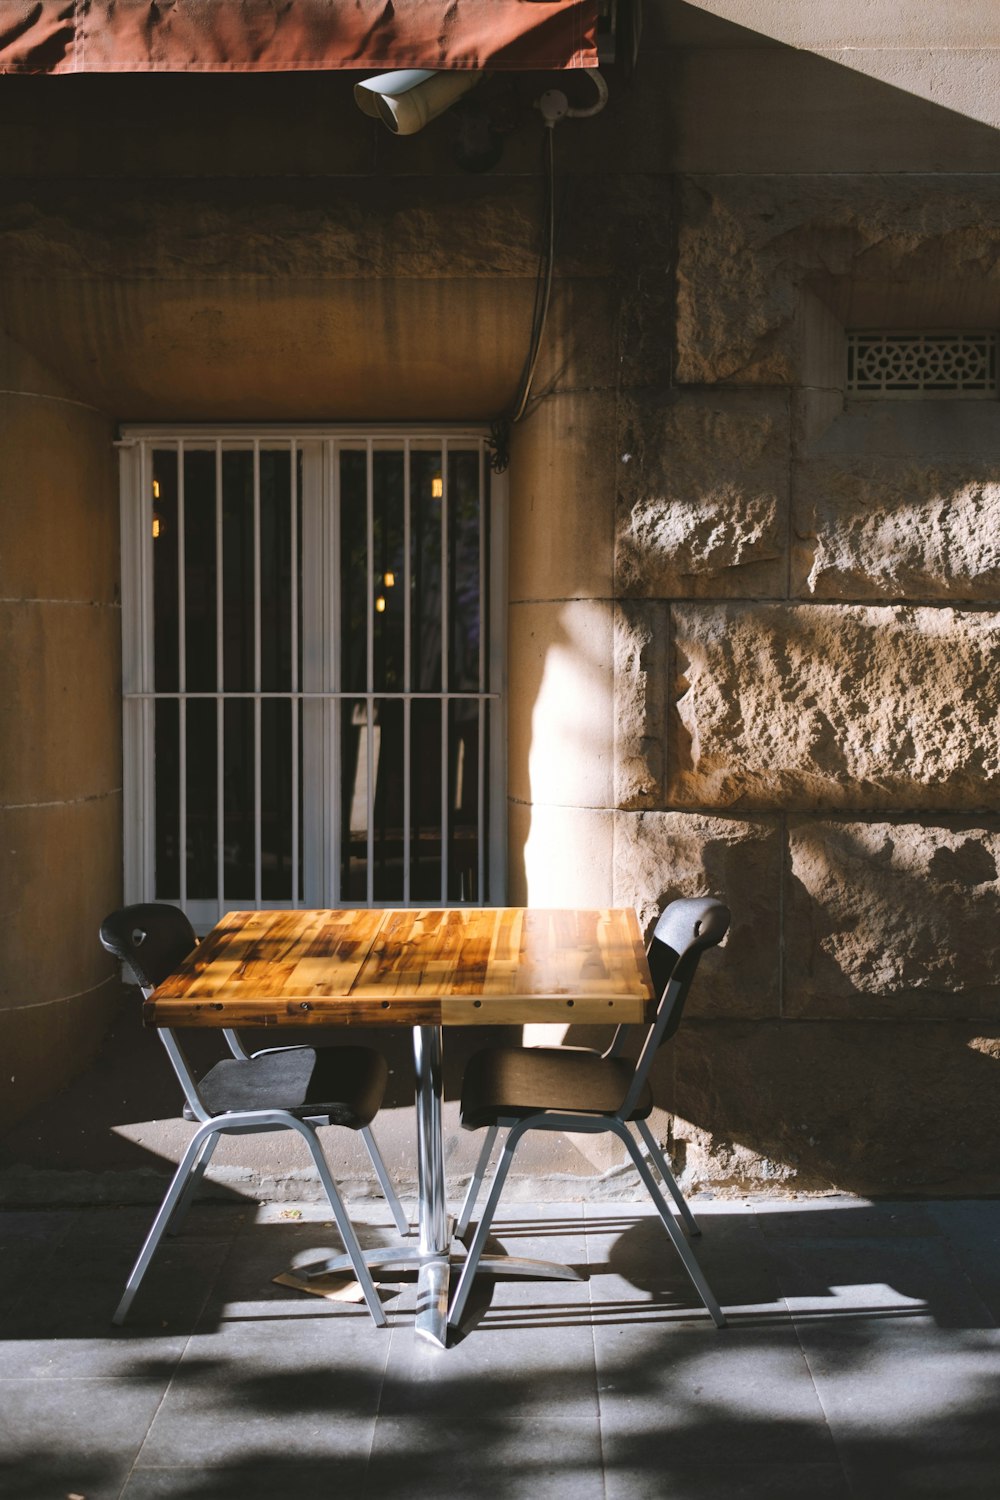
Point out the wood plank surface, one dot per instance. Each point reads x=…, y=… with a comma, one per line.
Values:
x=433, y=966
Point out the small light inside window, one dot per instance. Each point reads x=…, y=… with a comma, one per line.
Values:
x=437, y=487
x=156, y=526
x=389, y=579
x=156, y=489
x=380, y=605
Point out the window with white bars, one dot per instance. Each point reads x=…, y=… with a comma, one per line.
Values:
x=900, y=364
x=312, y=669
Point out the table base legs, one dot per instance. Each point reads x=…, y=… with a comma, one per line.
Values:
x=434, y=1255
x=434, y=1277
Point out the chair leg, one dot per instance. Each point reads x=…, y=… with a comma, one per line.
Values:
x=681, y=1245
x=483, y=1228
x=191, y=1186
x=476, y=1182
x=385, y=1183
x=344, y=1224
x=167, y=1209
x=661, y=1165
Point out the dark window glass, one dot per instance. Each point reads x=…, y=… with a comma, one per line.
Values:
x=167, y=877
x=202, y=798
x=464, y=523
x=277, y=548
x=165, y=543
x=353, y=571
x=425, y=563
x=276, y=799
x=389, y=602
x=425, y=801
x=238, y=800
x=199, y=572
x=463, y=801
x=237, y=572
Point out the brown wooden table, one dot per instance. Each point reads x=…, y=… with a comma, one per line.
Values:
x=427, y=968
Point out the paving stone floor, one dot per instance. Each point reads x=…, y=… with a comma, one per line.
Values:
x=862, y=1360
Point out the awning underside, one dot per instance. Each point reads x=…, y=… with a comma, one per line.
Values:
x=264, y=36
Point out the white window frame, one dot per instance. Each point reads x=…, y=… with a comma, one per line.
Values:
x=319, y=690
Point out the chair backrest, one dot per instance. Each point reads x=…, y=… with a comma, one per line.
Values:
x=151, y=938
x=685, y=929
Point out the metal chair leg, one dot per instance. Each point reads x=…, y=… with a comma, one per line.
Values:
x=168, y=1207
x=681, y=1245
x=344, y=1224
x=483, y=1228
x=661, y=1165
x=191, y=1186
x=385, y=1183
x=476, y=1182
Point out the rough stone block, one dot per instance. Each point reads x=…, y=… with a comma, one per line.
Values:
x=864, y=1107
x=900, y=499
x=811, y=706
x=748, y=243
x=703, y=497
x=662, y=855
x=640, y=682
x=896, y=919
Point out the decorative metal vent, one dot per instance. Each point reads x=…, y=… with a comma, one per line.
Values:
x=905, y=364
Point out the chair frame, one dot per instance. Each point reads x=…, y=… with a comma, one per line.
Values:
x=665, y=1021
x=192, y=1165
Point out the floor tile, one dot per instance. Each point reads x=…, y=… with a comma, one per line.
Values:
x=71, y=1436
x=712, y=1481
x=859, y=1363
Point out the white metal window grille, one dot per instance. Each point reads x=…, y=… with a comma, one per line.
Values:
x=312, y=669
x=907, y=364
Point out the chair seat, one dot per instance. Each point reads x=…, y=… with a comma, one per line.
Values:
x=343, y=1084
x=515, y=1082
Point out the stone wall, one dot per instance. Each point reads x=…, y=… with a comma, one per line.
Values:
x=808, y=650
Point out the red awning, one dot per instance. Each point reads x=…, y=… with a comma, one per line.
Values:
x=267, y=36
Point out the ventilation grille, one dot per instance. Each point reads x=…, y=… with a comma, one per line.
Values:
x=906, y=365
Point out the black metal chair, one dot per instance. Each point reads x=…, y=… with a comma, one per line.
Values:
x=518, y=1089
x=280, y=1088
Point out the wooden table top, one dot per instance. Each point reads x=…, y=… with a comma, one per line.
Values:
x=461, y=966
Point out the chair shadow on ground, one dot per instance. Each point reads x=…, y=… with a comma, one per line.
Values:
x=261, y=1391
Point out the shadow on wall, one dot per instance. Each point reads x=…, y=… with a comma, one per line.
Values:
x=880, y=1069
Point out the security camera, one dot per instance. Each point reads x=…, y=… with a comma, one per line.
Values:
x=407, y=100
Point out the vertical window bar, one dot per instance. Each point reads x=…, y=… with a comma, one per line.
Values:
x=407, y=676
x=220, y=715
x=370, y=671
x=332, y=676
x=147, y=677
x=295, y=704
x=257, y=853
x=481, y=740
x=445, y=747
x=181, y=685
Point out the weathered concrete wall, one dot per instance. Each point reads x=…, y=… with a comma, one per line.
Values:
x=60, y=751
x=753, y=630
